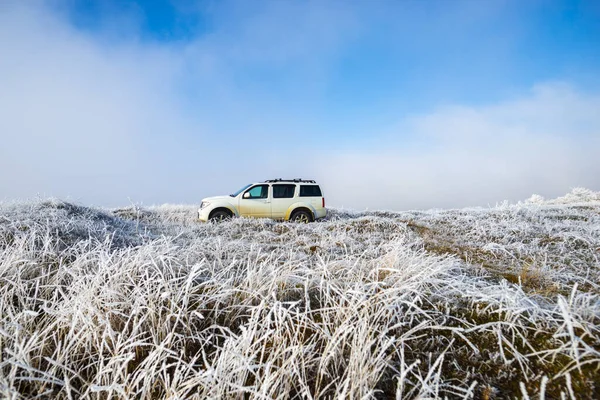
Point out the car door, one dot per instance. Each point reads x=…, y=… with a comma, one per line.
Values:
x=282, y=198
x=256, y=202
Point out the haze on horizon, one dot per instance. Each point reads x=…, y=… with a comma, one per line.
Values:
x=389, y=105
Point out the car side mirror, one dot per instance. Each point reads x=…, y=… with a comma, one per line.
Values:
x=246, y=195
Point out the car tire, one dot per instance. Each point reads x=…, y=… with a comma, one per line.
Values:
x=219, y=216
x=301, y=216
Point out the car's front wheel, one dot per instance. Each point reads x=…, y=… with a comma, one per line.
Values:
x=219, y=216
x=301, y=216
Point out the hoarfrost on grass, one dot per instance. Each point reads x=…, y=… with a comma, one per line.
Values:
x=147, y=302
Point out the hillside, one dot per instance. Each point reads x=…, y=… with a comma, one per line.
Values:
x=484, y=303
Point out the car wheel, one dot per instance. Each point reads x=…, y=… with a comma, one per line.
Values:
x=301, y=216
x=219, y=216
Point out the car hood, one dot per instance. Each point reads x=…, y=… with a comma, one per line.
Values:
x=227, y=199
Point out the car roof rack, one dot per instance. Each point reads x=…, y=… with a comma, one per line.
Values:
x=291, y=180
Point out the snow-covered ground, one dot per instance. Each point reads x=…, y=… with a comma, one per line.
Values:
x=148, y=303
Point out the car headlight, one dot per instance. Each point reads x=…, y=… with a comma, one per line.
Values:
x=204, y=204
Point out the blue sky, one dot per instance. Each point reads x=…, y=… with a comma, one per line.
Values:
x=372, y=60
x=413, y=104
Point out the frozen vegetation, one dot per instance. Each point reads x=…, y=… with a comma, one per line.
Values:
x=499, y=302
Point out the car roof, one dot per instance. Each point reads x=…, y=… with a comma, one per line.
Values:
x=298, y=180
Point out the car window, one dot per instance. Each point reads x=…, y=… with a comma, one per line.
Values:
x=241, y=190
x=283, y=191
x=310, y=191
x=259, y=192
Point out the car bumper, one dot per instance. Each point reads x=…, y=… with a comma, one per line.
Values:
x=203, y=214
x=320, y=213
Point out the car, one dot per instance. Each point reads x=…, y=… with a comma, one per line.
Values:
x=280, y=199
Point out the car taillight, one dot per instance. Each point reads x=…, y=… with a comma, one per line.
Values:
x=323, y=202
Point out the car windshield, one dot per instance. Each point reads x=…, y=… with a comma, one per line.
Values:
x=241, y=190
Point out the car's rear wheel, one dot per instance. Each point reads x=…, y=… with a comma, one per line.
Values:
x=301, y=216
x=219, y=216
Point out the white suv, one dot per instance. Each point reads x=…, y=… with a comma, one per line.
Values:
x=293, y=199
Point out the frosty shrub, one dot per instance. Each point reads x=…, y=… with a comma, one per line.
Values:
x=138, y=302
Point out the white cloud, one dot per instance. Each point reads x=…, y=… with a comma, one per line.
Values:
x=104, y=121
x=546, y=142
x=80, y=118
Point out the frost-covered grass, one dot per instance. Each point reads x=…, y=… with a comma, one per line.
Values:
x=148, y=303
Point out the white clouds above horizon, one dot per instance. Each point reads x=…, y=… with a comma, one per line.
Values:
x=546, y=142
x=106, y=122
x=79, y=117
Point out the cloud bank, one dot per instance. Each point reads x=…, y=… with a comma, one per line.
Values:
x=107, y=122
x=80, y=118
x=545, y=142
